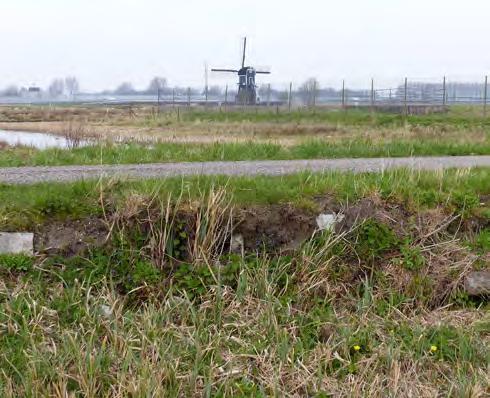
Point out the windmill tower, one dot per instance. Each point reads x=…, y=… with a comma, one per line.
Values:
x=247, y=89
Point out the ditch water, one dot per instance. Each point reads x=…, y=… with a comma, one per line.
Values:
x=37, y=140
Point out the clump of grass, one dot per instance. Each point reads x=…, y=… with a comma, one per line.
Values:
x=16, y=262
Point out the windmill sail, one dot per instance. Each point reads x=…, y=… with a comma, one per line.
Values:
x=244, y=51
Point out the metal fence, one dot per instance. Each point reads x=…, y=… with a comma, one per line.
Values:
x=408, y=93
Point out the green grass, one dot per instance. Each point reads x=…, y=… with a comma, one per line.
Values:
x=458, y=117
x=22, y=206
x=180, y=152
x=248, y=327
x=353, y=316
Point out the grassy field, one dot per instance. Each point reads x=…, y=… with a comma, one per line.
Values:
x=376, y=309
x=458, y=116
x=194, y=135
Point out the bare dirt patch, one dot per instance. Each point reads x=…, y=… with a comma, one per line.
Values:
x=71, y=237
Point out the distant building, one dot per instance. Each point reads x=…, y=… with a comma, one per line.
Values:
x=33, y=92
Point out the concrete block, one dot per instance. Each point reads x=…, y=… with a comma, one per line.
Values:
x=326, y=222
x=478, y=283
x=16, y=243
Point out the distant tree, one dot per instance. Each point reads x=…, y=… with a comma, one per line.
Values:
x=183, y=91
x=157, y=83
x=308, y=91
x=263, y=91
x=125, y=88
x=283, y=95
x=215, y=91
x=56, y=88
x=11, y=91
x=72, y=85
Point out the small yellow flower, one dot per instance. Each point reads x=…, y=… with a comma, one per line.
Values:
x=433, y=348
x=357, y=348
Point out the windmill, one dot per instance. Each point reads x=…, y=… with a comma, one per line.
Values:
x=247, y=89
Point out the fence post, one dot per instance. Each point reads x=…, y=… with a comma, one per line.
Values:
x=485, y=97
x=343, y=94
x=268, y=95
x=314, y=95
x=226, y=97
x=444, y=91
x=158, y=100
x=405, y=100
x=290, y=96
x=372, y=95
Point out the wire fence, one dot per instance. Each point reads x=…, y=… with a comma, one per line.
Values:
x=407, y=94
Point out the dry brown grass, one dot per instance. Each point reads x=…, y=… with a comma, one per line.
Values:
x=142, y=124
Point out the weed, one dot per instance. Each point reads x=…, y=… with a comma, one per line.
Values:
x=144, y=273
x=197, y=280
x=374, y=239
x=411, y=257
x=482, y=241
x=465, y=202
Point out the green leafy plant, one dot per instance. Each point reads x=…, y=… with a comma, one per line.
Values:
x=195, y=280
x=373, y=239
x=411, y=257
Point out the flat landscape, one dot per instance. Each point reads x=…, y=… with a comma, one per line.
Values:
x=189, y=134
x=246, y=252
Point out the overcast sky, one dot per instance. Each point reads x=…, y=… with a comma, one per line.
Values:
x=106, y=42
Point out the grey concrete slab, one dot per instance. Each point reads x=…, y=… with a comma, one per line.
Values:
x=16, y=243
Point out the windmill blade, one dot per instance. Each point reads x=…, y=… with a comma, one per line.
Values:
x=244, y=50
x=263, y=72
x=224, y=70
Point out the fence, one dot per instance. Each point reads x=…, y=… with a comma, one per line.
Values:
x=409, y=93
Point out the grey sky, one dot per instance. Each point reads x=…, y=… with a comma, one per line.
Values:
x=105, y=42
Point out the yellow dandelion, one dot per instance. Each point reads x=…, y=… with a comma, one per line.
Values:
x=357, y=348
x=433, y=348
